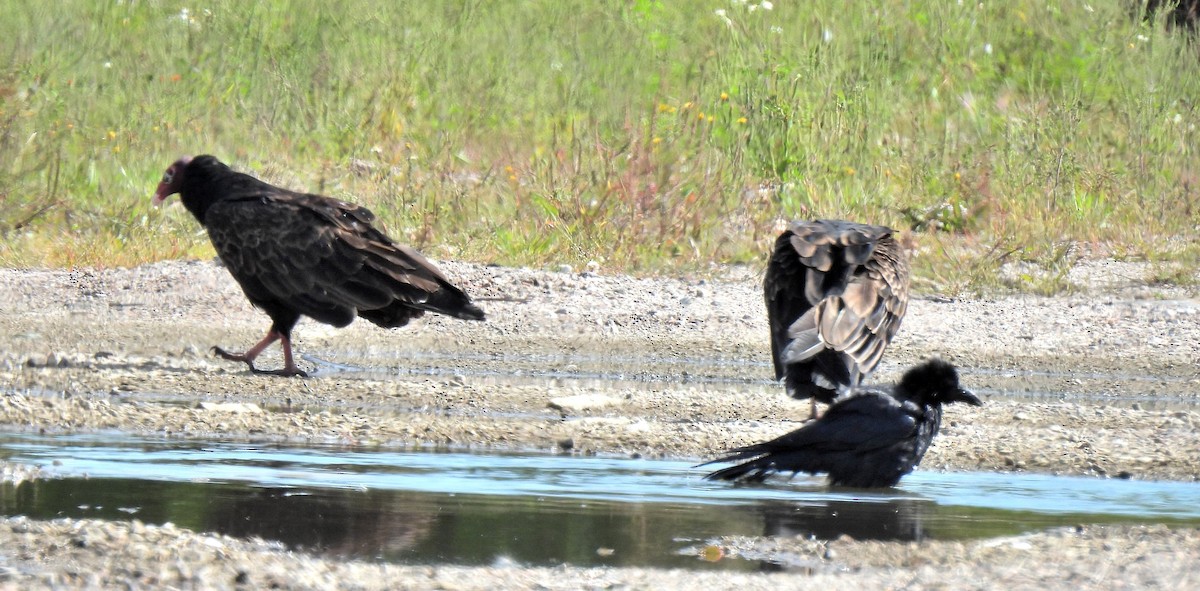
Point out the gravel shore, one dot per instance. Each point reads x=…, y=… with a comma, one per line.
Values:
x=1102, y=383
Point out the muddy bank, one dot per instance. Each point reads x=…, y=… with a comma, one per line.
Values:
x=1102, y=383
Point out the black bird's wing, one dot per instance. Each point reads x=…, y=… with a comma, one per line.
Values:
x=836, y=293
x=864, y=421
x=852, y=427
x=323, y=258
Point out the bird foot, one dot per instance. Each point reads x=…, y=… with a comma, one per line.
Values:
x=286, y=372
x=226, y=355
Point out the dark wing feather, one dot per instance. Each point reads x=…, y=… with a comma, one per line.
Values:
x=323, y=258
x=836, y=292
x=282, y=260
x=416, y=285
x=853, y=428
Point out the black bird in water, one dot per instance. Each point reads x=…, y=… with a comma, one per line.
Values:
x=299, y=254
x=836, y=292
x=870, y=438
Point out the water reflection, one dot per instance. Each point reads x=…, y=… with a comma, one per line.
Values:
x=889, y=520
x=399, y=526
x=340, y=523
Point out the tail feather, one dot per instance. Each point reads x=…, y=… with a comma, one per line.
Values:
x=755, y=470
x=821, y=378
x=451, y=301
x=414, y=282
x=803, y=383
x=765, y=460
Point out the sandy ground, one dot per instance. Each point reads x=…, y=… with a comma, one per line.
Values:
x=1101, y=383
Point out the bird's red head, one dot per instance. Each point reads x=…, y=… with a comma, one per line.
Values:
x=171, y=181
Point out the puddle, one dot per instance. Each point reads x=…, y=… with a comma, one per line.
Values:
x=425, y=507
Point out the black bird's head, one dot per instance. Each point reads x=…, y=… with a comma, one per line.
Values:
x=199, y=181
x=935, y=381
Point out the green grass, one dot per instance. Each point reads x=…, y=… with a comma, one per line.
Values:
x=648, y=136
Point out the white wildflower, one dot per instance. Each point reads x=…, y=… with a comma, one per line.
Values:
x=185, y=16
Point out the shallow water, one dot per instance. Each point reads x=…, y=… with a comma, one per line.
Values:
x=477, y=508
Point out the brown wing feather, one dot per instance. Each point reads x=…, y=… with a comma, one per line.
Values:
x=836, y=293
x=323, y=258
x=280, y=260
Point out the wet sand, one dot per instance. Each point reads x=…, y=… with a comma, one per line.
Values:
x=1100, y=383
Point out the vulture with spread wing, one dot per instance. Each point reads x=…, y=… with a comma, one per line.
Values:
x=298, y=254
x=836, y=292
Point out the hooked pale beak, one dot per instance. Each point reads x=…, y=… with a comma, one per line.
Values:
x=160, y=195
x=171, y=181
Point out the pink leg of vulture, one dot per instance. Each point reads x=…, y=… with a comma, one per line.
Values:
x=289, y=365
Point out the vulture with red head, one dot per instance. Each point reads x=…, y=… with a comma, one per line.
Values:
x=299, y=254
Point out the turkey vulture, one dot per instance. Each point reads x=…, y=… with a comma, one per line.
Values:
x=836, y=292
x=869, y=438
x=299, y=254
